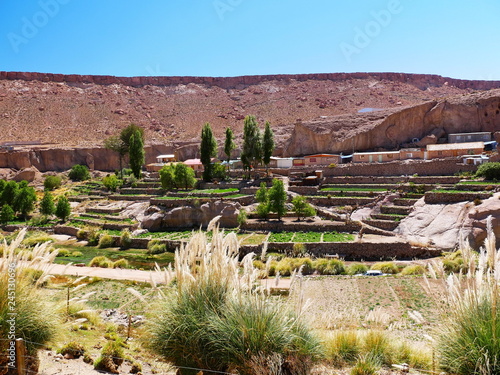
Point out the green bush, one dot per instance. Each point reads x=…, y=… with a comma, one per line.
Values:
x=343, y=347
x=63, y=253
x=79, y=173
x=111, y=182
x=415, y=269
x=76, y=254
x=329, y=266
x=242, y=217
x=366, y=365
x=490, y=171
x=356, y=269
x=156, y=247
x=52, y=182
x=72, y=348
x=106, y=241
x=101, y=261
x=112, y=356
x=386, y=267
x=7, y=214
x=125, y=239
x=63, y=208
x=121, y=263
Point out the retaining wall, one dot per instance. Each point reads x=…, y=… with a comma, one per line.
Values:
x=434, y=198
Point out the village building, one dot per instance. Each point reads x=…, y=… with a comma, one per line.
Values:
x=195, y=164
x=469, y=137
x=375, y=157
x=298, y=162
x=280, y=162
x=321, y=159
x=161, y=160
x=412, y=153
x=447, y=150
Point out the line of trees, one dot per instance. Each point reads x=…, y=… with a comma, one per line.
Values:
x=256, y=148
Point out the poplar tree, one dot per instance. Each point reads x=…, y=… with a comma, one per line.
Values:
x=136, y=153
x=252, y=147
x=267, y=146
x=229, y=145
x=208, y=150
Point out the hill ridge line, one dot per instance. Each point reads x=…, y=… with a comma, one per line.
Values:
x=420, y=80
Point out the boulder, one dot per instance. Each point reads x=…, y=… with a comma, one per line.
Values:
x=153, y=222
x=27, y=174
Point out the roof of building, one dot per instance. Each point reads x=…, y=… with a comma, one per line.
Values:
x=455, y=134
x=321, y=155
x=169, y=156
x=455, y=146
x=411, y=149
x=192, y=162
x=376, y=153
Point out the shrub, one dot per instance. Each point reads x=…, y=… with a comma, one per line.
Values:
x=52, y=182
x=298, y=249
x=216, y=321
x=378, y=345
x=72, y=348
x=93, y=236
x=490, y=171
x=125, y=239
x=39, y=220
x=415, y=269
x=156, y=247
x=7, y=214
x=79, y=173
x=385, y=267
x=34, y=238
x=356, y=269
x=329, y=266
x=121, y=263
x=366, y=365
x=63, y=253
x=101, y=261
x=242, y=217
x=111, y=357
x=343, y=347
x=76, y=254
x=304, y=264
x=106, y=241
x=111, y=182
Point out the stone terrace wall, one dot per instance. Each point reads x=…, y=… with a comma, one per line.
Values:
x=447, y=198
x=422, y=81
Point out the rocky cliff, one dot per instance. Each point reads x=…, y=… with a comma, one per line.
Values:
x=391, y=129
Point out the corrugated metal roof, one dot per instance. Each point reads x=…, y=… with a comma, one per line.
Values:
x=455, y=146
x=377, y=153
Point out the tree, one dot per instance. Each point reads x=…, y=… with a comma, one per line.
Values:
x=277, y=198
x=490, y=171
x=267, y=145
x=52, y=182
x=136, y=153
x=127, y=132
x=7, y=214
x=115, y=143
x=262, y=196
x=24, y=201
x=208, y=150
x=184, y=176
x=111, y=182
x=229, y=145
x=79, y=173
x=9, y=193
x=63, y=208
x=167, y=177
x=47, y=206
x=302, y=208
x=251, y=153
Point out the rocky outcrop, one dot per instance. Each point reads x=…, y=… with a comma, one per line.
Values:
x=392, y=128
x=27, y=174
x=442, y=224
x=192, y=217
x=423, y=81
x=61, y=159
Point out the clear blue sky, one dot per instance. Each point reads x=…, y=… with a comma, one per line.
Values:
x=455, y=38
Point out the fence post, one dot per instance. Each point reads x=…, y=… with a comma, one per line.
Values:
x=20, y=357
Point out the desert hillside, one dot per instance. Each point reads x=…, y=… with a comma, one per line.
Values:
x=83, y=110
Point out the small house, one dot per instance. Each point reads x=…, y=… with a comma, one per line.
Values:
x=195, y=164
x=475, y=159
x=412, y=153
x=448, y=150
x=469, y=137
x=161, y=160
x=281, y=162
x=375, y=157
x=298, y=162
x=321, y=159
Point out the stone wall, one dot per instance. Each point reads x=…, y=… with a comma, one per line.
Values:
x=302, y=226
x=391, y=179
x=447, y=198
x=172, y=203
x=423, y=81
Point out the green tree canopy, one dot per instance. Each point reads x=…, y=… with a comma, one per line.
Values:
x=6, y=214
x=208, y=150
x=229, y=144
x=136, y=153
x=9, y=193
x=267, y=145
x=63, y=208
x=47, y=206
x=184, y=176
x=24, y=202
x=251, y=153
x=302, y=208
x=167, y=177
x=277, y=198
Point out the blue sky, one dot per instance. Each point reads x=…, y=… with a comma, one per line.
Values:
x=458, y=38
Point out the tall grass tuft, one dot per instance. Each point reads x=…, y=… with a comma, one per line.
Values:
x=468, y=340
x=35, y=321
x=218, y=318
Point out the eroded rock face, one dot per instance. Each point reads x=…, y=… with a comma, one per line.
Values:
x=27, y=174
x=189, y=216
x=442, y=224
x=392, y=128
